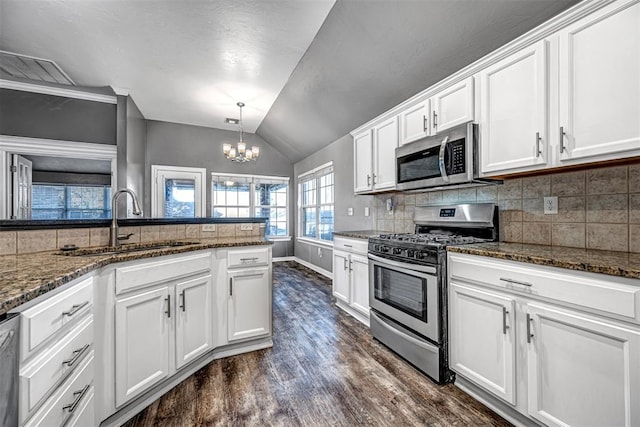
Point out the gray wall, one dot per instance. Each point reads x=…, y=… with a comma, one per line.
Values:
x=195, y=146
x=341, y=153
x=36, y=115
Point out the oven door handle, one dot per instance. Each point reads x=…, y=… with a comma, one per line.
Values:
x=403, y=265
x=443, y=169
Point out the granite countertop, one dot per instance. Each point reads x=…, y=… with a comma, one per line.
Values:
x=26, y=276
x=359, y=234
x=622, y=264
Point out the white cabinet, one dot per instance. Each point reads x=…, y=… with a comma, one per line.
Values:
x=482, y=338
x=557, y=346
x=513, y=123
x=351, y=277
x=452, y=106
x=363, y=162
x=414, y=122
x=385, y=142
x=599, y=90
x=194, y=319
x=249, y=303
x=143, y=328
x=596, y=363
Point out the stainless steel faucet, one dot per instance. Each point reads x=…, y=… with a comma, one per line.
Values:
x=114, y=214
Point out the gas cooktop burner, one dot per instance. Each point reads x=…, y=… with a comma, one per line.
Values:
x=431, y=238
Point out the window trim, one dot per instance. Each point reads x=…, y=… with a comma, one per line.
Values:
x=315, y=174
x=252, y=206
x=200, y=175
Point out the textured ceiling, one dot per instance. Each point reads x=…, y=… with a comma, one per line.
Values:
x=190, y=61
x=182, y=61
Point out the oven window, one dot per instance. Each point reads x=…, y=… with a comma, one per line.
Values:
x=402, y=291
x=422, y=165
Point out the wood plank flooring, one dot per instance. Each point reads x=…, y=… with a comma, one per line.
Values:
x=324, y=369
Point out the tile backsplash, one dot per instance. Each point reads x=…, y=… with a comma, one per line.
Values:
x=598, y=208
x=12, y=242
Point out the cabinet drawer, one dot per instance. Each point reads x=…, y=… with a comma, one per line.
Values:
x=351, y=245
x=43, y=373
x=85, y=414
x=612, y=295
x=161, y=270
x=45, y=319
x=68, y=399
x=247, y=257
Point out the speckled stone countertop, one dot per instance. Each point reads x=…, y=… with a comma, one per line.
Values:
x=361, y=234
x=27, y=276
x=623, y=264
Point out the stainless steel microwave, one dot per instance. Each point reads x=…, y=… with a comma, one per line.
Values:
x=448, y=158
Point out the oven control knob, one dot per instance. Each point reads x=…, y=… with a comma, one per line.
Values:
x=384, y=248
x=421, y=255
x=397, y=251
x=411, y=253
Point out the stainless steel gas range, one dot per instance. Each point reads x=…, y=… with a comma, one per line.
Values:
x=407, y=281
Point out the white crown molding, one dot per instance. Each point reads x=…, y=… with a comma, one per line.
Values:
x=57, y=148
x=56, y=91
x=542, y=31
x=122, y=91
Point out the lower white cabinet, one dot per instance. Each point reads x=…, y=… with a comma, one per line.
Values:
x=249, y=303
x=351, y=277
x=152, y=324
x=569, y=361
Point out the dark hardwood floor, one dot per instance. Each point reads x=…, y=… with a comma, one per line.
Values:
x=324, y=369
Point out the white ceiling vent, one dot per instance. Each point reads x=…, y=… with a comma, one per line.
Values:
x=29, y=67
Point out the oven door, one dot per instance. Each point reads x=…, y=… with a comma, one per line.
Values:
x=406, y=293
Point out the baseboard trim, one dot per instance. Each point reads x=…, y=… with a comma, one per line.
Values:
x=354, y=313
x=284, y=258
x=314, y=267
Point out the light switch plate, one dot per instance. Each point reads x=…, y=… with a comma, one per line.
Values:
x=350, y=211
x=208, y=227
x=551, y=205
x=246, y=227
x=366, y=211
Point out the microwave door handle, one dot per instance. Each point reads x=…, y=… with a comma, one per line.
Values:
x=443, y=169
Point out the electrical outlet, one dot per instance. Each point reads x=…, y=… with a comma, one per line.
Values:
x=350, y=211
x=366, y=211
x=208, y=227
x=246, y=227
x=320, y=253
x=551, y=205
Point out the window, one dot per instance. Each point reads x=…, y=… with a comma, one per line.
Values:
x=243, y=196
x=178, y=192
x=64, y=201
x=316, y=190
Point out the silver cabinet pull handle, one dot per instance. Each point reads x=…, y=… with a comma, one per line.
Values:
x=75, y=308
x=183, y=304
x=425, y=123
x=230, y=286
x=516, y=282
x=252, y=259
x=345, y=264
x=504, y=320
x=76, y=355
x=348, y=246
x=562, y=134
x=350, y=265
x=435, y=120
x=374, y=179
x=538, y=152
x=78, y=397
x=168, y=300
x=529, y=334
x=368, y=179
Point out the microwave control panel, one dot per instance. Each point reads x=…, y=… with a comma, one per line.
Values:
x=457, y=157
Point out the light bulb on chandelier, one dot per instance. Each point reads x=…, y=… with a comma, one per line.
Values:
x=240, y=153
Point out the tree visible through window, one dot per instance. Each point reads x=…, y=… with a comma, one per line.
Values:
x=316, y=204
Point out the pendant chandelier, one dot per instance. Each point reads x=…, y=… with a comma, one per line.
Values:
x=240, y=153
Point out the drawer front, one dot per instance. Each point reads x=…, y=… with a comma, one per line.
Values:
x=161, y=270
x=42, y=321
x=84, y=416
x=352, y=245
x=39, y=377
x=589, y=290
x=247, y=257
x=68, y=399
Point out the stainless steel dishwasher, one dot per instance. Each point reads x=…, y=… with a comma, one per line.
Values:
x=9, y=334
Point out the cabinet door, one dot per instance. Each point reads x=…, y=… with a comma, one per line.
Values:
x=363, y=162
x=385, y=142
x=414, y=123
x=599, y=84
x=249, y=304
x=359, y=266
x=142, y=326
x=481, y=339
x=341, y=275
x=453, y=106
x=194, y=319
x=581, y=371
x=513, y=124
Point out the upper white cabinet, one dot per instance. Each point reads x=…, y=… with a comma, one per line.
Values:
x=513, y=121
x=452, y=106
x=414, y=122
x=363, y=159
x=385, y=142
x=599, y=89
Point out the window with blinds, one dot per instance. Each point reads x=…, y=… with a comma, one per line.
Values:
x=316, y=191
x=243, y=196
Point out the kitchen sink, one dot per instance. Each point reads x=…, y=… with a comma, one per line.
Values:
x=124, y=249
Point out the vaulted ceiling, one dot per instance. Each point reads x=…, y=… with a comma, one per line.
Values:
x=309, y=71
